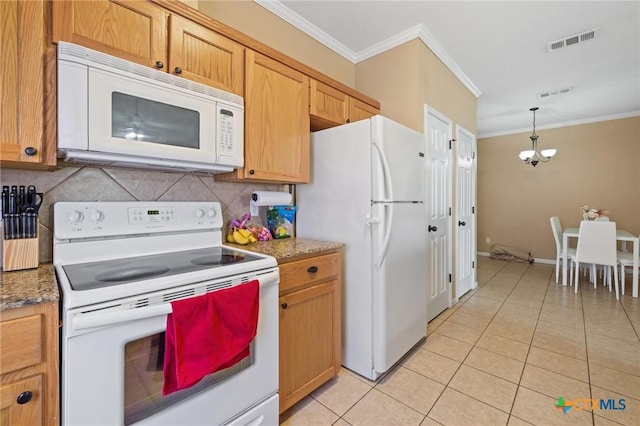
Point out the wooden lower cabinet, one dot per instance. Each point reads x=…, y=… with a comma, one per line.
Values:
x=29, y=365
x=310, y=325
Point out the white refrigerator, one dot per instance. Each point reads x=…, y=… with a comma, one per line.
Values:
x=367, y=191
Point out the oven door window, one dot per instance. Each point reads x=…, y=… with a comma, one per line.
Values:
x=143, y=378
x=138, y=119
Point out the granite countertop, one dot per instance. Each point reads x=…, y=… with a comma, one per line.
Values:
x=288, y=249
x=33, y=286
x=28, y=287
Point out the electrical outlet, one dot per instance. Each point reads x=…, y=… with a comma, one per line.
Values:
x=488, y=240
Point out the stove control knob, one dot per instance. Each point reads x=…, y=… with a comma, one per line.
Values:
x=200, y=213
x=75, y=216
x=96, y=216
x=212, y=212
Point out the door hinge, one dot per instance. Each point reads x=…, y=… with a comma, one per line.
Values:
x=451, y=140
x=473, y=209
x=449, y=211
x=473, y=155
x=449, y=277
x=473, y=265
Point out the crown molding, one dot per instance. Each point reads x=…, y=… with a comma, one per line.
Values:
x=563, y=124
x=419, y=31
x=283, y=12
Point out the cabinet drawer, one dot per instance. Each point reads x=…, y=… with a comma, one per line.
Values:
x=301, y=272
x=21, y=343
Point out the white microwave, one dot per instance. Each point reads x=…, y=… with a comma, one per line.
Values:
x=119, y=113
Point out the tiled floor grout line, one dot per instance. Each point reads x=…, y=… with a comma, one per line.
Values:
x=530, y=345
x=474, y=345
x=551, y=302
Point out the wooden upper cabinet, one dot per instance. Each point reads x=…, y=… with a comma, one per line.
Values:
x=327, y=103
x=359, y=110
x=202, y=55
x=331, y=107
x=132, y=30
x=23, y=74
x=276, y=123
x=145, y=33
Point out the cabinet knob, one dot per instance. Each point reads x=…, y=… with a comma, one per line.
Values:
x=178, y=70
x=24, y=397
x=159, y=64
x=312, y=269
x=30, y=150
x=251, y=171
x=348, y=120
x=284, y=306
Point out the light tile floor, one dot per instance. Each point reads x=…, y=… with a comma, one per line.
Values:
x=502, y=355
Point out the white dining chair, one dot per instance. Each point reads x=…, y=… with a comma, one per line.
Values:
x=596, y=245
x=556, y=228
x=625, y=259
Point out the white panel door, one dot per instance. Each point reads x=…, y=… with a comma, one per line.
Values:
x=438, y=206
x=464, y=222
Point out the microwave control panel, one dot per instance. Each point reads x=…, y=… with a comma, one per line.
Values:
x=230, y=138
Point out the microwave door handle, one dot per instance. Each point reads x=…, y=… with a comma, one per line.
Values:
x=101, y=319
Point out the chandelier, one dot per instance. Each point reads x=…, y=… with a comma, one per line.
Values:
x=533, y=156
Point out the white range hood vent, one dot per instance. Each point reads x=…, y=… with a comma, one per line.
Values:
x=572, y=40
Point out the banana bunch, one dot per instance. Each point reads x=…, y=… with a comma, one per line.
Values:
x=240, y=236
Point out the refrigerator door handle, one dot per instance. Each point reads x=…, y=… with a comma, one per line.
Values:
x=388, y=217
x=388, y=187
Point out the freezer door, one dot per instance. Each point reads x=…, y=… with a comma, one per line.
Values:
x=400, y=286
x=398, y=162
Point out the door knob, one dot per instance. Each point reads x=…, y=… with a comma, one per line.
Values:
x=433, y=228
x=461, y=223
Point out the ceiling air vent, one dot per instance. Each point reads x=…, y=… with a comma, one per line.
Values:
x=572, y=40
x=550, y=93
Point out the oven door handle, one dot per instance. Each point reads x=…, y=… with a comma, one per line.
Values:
x=101, y=319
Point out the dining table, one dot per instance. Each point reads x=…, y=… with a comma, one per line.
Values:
x=621, y=235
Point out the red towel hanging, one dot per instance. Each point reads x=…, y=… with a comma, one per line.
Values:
x=208, y=333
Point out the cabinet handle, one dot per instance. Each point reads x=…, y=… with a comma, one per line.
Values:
x=462, y=223
x=432, y=228
x=284, y=306
x=24, y=397
x=178, y=70
x=159, y=64
x=30, y=150
x=251, y=171
x=312, y=269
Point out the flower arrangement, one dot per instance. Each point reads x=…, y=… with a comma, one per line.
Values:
x=590, y=213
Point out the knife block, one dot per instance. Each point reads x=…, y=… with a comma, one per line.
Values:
x=22, y=253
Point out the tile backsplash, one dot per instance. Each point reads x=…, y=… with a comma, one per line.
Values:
x=116, y=184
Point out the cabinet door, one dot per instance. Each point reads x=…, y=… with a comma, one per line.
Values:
x=328, y=106
x=22, y=40
x=309, y=338
x=277, y=146
x=17, y=406
x=359, y=110
x=132, y=30
x=202, y=55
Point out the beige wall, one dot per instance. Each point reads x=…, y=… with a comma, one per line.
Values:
x=262, y=25
x=596, y=164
